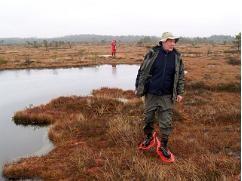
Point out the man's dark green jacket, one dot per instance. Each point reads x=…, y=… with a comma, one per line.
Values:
x=144, y=73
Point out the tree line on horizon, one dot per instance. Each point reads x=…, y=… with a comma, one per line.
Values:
x=89, y=38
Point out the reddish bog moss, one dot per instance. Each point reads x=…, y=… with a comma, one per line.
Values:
x=114, y=93
x=96, y=138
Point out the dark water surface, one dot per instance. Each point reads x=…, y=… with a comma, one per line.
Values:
x=23, y=88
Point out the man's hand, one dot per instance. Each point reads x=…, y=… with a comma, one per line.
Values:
x=179, y=98
x=135, y=92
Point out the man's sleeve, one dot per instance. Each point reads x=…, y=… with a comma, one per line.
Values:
x=137, y=78
x=181, y=79
x=140, y=69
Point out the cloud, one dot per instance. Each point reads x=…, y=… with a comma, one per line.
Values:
x=61, y=17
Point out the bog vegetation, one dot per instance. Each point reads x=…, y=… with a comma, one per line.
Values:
x=96, y=137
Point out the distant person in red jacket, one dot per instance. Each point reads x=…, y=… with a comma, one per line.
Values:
x=114, y=47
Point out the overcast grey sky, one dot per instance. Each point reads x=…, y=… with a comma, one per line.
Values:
x=52, y=18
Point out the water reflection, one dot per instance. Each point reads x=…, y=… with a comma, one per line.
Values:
x=28, y=71
x=114, y=69
x=55, y=71
x=21, y=88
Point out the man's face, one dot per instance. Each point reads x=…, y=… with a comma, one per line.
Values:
x=169, y=44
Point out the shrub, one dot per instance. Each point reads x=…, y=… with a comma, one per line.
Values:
x=230, y=51
x=230, y=87
x=233, y=61
x=2, y=61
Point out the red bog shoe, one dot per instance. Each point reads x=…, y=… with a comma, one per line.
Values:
x=164, y=154
x=149, y=142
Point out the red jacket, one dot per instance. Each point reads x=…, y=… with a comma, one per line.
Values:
x=113, y=46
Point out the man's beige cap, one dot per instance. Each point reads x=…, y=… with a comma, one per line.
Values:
x=168, y=35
